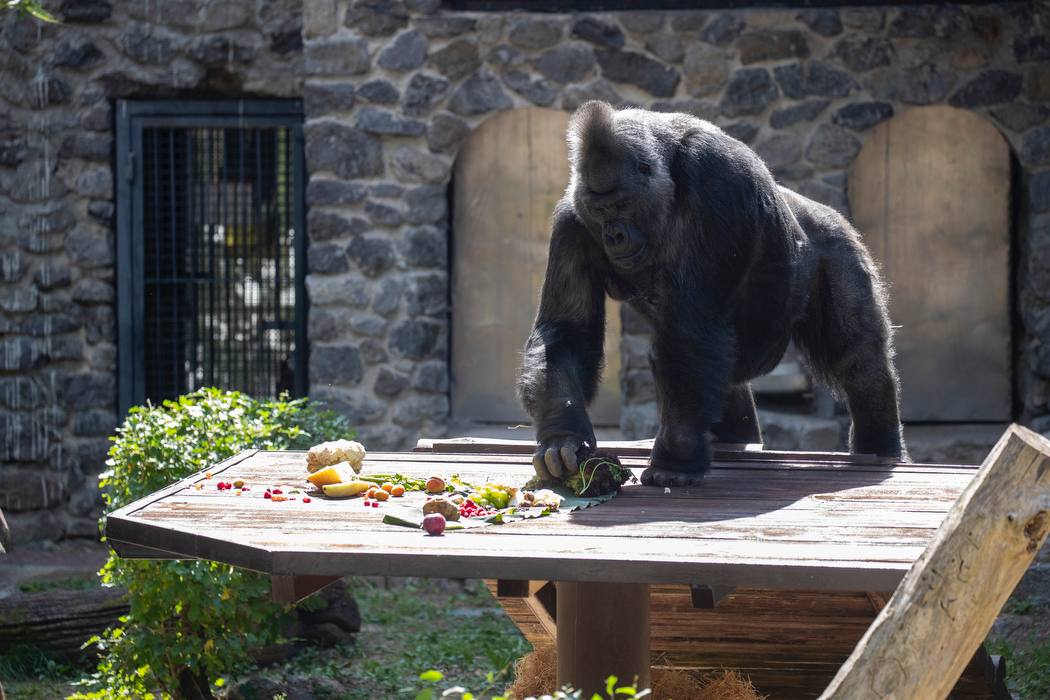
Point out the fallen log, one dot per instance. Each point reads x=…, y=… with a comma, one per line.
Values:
x=58, y=622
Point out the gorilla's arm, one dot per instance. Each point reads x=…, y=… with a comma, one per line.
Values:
x=563, y=355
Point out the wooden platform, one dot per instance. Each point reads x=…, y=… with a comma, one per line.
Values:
x=799, y=538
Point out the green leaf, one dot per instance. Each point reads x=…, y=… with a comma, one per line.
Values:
x=431, y=676
x=425, y=694
x=220, y=682
x=610, y=684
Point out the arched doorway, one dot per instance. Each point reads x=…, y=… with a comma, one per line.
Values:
x=930, y=193
x=508, y=177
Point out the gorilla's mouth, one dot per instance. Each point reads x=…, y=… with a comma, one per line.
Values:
x=631, y=260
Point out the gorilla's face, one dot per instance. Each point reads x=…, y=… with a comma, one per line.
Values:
x=620, y=183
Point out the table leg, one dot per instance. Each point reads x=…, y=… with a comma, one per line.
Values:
x=603, y=630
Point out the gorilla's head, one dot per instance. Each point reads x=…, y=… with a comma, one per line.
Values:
x=621, y=185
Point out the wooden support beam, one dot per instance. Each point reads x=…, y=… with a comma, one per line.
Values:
x=292, y=589
x=922, y=640
x=706, y=597
x=512, y=588
x=603, y=630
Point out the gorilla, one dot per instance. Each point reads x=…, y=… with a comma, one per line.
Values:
x=671, y=215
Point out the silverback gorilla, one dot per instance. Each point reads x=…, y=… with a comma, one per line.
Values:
x=669, y=214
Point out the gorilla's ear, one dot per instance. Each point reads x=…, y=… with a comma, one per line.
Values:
x=593, y=148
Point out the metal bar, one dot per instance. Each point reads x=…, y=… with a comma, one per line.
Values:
x=176, y=350
x=125, y=276
x=261, y=355
x=278, y=238
x=211, y=263
x=299, y=220
x=155, y=215
x=191, y=273
x=242, y=245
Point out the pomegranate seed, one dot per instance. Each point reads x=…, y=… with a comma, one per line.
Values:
x=245, y=488
x=375, y=504
x=306, y=499
x=267, y=495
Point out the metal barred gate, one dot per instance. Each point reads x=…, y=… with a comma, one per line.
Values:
x=210, y=248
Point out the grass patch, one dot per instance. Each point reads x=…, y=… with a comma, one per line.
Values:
x=65, y=583
x=30, y=674
x=1027, y=667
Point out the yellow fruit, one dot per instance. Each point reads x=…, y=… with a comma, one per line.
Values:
x=346, y=489
x=331, y=475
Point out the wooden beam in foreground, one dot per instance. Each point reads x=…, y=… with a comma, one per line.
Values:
x=922, y=640
x=292, y=589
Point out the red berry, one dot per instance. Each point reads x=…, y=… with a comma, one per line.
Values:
x=375, y=504
x=306, y=499
x=245, y=488
x=277, y=491
x=266, y=495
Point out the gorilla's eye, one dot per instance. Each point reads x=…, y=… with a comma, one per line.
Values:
x=644, y=169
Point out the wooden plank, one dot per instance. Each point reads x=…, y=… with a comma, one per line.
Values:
x=706, y=597
x=936, y=619
x=937, y=219
x=292, y=589
x=509, y=175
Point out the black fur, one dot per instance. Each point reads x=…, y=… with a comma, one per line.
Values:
x=669, y=214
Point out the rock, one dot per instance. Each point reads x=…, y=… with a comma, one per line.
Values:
x=639, y=421
x=863, y=19
x=414, y=339
x=638, y=386
x=376, y=17
x=704, y=109
x=832, y=147
x=221, y=51
x=567, y=63
x=413, y=412
x=85, y=11
x=706, y=70
x=1039, y=192
x=388, y=296
x=336, y=57
x=87, y=145
x=723, y=30
x=788, y=431
x=633, y=322
x=52, y=276
x=326, y=226
x=538, y=92
x=639, y=70
x=349, y=153
x=320, y=99
x=346, y=290
x=372, y=255
x=88, y=390
x=1035, y=47
x=320, y=18
x=95, y=182
x=479, y=94
x=750, y=90
x=12, y=266
x=642, y=21
x=635, y=350
x=358, y=409
x=407, y=52
x=445, y=133
x=94, y=423
x=379, y=121
x=427, y=294
x=322, y=191
x=599, y=33
x=426, y=205
x=19, y=353
x=862, y=115
x=101, y=210
x=368, y=325
x=388, y=190
x=326, y=259
x=861, y=53
x=444, y=26
x=595, y=90
x=1037, y=84
x=92, y=291
x=780, y=151
x=34, y=526
x=425, y=247
x=458, y=59
x=667, y=46
x=823, y=22
x=688, y=21
x=335, y=364
x=410, y=164
x=802, y=112
x=929, y=84
x=432, y=378
x=76, y=53
x=1021, y=115
x=390, y=383
x=379, y=92
x=772, y=45
x=18, y=299
x=534, y=33
x=423, y=92
x=49, y=325
x=822, y=80
x=383, y=214
x=325, y=325
x=100, y=324
x=834, y=197
x=989, y=88
x=224, y=15
x=90, y=248
x=504, y=55
x=1035, y=149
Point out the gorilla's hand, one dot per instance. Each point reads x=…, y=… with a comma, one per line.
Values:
x=555, y=458
x=679, y=458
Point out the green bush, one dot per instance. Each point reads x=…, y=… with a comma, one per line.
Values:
x=192, y=620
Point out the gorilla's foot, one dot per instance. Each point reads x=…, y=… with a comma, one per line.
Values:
x=657, y=476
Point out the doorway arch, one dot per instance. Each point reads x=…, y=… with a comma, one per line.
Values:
x=930, y=194
x=507, y=178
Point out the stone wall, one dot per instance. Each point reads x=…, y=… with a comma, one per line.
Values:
x=394, y=87
x=57, y=316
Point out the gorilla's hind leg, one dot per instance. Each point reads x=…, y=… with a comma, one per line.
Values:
x=846, y=337
x=739, y=423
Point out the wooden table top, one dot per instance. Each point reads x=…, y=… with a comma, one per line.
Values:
x=761, y=520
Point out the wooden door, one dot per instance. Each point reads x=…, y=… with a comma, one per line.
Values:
x=508, y=177
x=930, y=194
